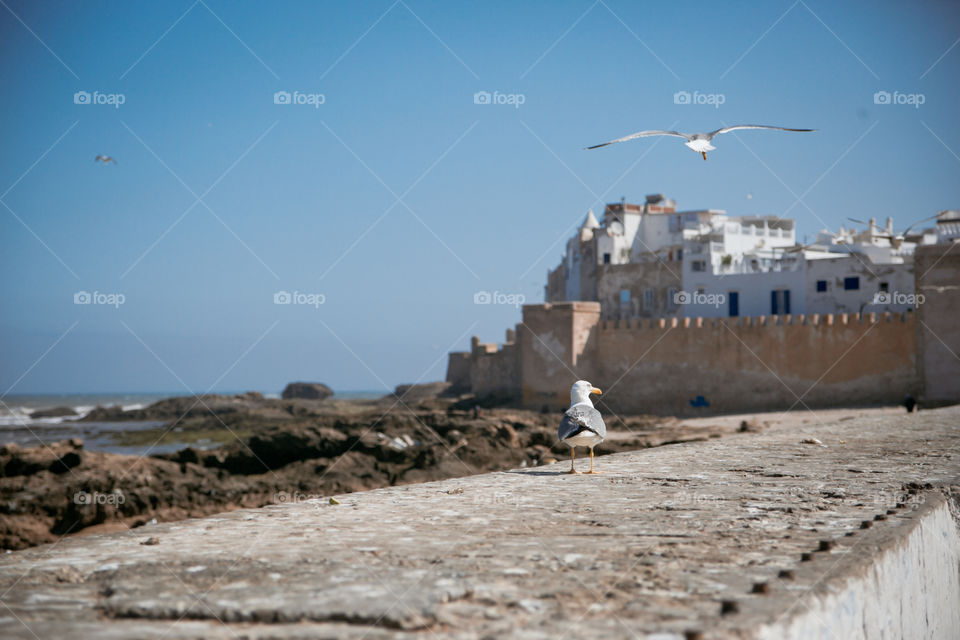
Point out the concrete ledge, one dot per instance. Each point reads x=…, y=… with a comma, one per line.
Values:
x=749, y=536
x=908, y=585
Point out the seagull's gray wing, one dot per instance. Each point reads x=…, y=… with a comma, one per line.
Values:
x=642, y=134
x=579, y=418
x=907, y=230
x=750, y=126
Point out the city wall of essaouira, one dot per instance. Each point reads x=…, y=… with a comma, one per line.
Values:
x=699, y=366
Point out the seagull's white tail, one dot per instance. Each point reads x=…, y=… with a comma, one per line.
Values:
x=700, y=145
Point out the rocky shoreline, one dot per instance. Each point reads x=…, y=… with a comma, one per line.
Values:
x=280, y=450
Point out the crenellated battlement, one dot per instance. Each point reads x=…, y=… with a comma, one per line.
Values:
x=814, y=319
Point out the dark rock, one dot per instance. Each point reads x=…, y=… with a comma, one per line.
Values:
x=307, y=391
x=183, y=407
x=66, y=462
x=55, y=412
x=104, y=414
x=188, y=455
x=417, y=392
x=58, y=457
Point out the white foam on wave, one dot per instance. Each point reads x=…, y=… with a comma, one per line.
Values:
x=81, y=410
x=21, y=416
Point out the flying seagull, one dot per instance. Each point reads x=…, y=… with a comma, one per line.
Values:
x=896, y=239
x=699, y=142
x=105, y=159
x=582, y=425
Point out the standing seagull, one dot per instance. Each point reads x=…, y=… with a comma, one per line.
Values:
x=582, y=425
x=699, y=142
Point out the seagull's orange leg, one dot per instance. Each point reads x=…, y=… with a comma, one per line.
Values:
x=704, y=155
x=591, y=463
x=573, y=454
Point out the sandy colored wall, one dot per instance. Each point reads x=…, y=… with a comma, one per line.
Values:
x=663, y=366
x=938, y=327
x=749, y=366
x=458, y=371
x=496, y=373
x=552, y=340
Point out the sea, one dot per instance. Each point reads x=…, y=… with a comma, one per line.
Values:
x=18, y=426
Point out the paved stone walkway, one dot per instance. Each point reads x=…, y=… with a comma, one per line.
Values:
x=707, y=539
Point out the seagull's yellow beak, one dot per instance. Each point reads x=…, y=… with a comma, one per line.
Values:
x=596, y=391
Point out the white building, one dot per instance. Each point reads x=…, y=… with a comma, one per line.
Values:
x=652, y=260
x=948, y=226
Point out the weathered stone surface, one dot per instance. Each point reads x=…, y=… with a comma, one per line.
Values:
x=670, y=540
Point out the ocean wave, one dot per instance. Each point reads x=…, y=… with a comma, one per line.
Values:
x=22, y=416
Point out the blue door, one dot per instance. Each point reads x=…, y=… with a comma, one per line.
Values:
x=734, y=297
x=779, y=302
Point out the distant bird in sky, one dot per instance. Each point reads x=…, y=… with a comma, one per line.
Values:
x=699, y=142
x=582, y=425
x=105, y=159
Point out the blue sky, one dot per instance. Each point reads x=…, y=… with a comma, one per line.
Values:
x=398, y=198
